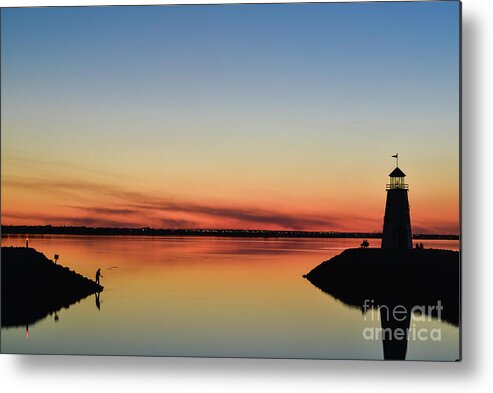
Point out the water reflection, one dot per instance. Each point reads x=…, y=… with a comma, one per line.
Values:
x=395, y=342
x=24, y=312
x=98, y=303
x=398, y=326
x=205, y=297
x=395, y=322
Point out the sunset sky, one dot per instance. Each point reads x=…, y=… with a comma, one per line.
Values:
x=230, y=116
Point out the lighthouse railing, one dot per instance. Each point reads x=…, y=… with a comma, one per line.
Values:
x=401, y=186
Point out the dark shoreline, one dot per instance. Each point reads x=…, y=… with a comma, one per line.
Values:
x=91, y=231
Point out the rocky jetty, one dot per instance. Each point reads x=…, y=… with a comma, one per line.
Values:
x=414, y=278
x=34, y=286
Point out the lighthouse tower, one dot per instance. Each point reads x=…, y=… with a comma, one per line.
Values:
x=397, y=233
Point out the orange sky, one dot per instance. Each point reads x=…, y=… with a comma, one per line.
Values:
x=46, y=192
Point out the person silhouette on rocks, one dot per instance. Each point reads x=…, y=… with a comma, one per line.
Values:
x=98, y=276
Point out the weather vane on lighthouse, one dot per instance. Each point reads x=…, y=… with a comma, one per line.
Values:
x=396, y=156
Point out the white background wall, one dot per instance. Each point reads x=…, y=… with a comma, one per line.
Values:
x=125, y=374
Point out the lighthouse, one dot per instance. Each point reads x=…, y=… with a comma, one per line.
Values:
x=397, y=233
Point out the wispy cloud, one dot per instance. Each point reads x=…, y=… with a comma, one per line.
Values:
x=157, y=209
x=104, y=210
x=98, y=204
x=250, y=215
x=69, y=220
x=447, y=228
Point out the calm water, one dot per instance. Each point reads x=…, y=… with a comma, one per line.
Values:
x=193, y=296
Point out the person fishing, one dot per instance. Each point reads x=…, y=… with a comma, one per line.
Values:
x=98, y=275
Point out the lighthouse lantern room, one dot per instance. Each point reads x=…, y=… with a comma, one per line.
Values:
x=397, y=180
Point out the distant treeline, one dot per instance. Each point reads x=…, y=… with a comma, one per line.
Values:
x=69, y=230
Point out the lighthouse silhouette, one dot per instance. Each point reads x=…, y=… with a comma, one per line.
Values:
x=397, y=233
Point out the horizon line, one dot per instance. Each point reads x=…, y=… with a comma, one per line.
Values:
x=215, y=230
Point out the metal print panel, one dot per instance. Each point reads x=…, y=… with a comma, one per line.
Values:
x=258, y=180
